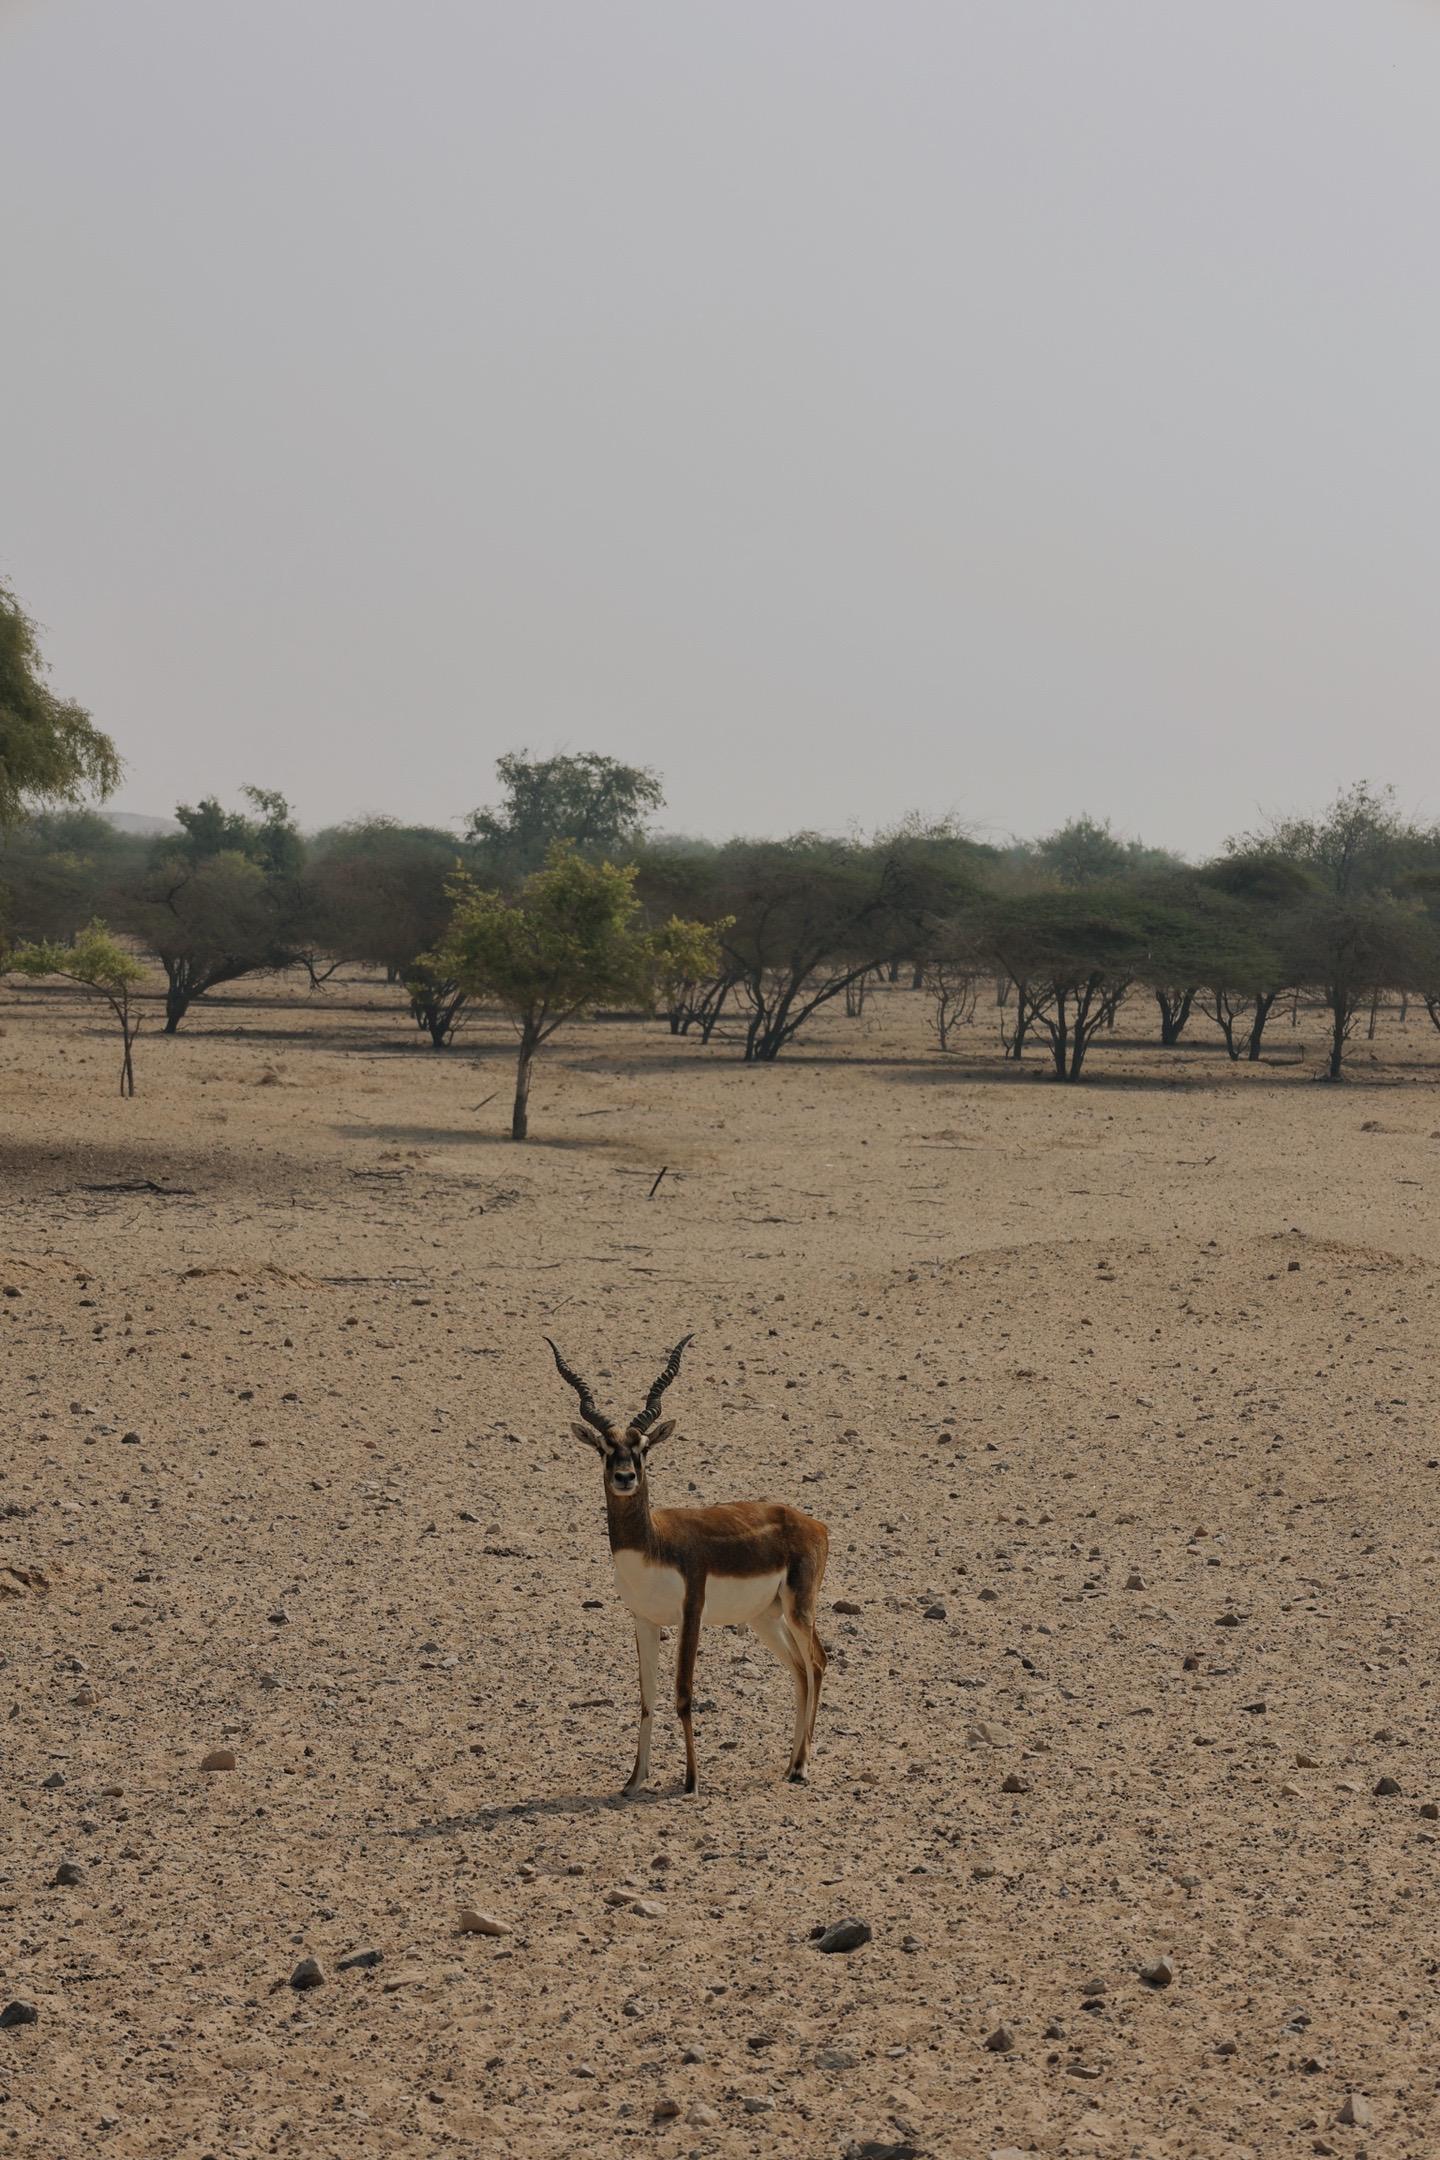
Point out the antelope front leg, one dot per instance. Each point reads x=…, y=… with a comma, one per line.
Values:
x=647, y=1642
x=685, y=1677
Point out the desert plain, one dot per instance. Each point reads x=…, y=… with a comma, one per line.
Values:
x=1119, y=1401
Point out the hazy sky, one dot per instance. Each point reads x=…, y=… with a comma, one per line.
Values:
x=1013, y=406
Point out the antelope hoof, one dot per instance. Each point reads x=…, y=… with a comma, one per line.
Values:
x=797, y=1777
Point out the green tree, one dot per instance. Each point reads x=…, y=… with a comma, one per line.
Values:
x=208, y=922
x=809, y=916
x=1246, y=958
x=378, y=892
x=1071, y=957
x=99, y=963
x=568, y=940
x=1352, y=949
x=688, y=972
x=595, y=804
x=1360, y=845
x=50, y=749
x=1086, y=851
x=222, y=898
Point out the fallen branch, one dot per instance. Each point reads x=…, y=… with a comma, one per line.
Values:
x=166, y=1192
x=656, y=1186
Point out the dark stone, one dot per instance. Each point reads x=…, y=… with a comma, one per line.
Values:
x=844, y=1935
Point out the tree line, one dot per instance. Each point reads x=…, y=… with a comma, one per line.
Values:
x=559, y=898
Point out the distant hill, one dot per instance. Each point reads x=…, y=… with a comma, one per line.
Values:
x=131, y=821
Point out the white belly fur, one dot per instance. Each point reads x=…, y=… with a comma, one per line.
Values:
x=657, y=1594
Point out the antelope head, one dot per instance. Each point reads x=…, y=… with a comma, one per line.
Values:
x=623, y=1448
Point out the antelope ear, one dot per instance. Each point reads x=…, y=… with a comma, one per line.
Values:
x=591, y=1439
x=661, y=1432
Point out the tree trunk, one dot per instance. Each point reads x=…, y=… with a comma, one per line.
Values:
x=1263, y=1003
x=1174, y=1014
x=127, y=1068
x=1374, y=1015
x=520, y=1115
x=177, y=1004
x=1338, y=1033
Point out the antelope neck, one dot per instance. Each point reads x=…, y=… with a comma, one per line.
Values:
x=628, y=1518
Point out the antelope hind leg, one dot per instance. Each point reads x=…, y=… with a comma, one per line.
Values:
x=770, y=1629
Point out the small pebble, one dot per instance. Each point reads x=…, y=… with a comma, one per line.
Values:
x=848, y=1606
x=220, y=1758
x=307, y=1974
x=836, y=2059
x=1429, y=1811
x=1134, y=1580
x=1356, y=2111
x=666, y=2108
x=19, y=2013
x=700, y=2116
x=1015, y=1783
x=1386, y=1788
x=1000, y=2041
x=67, y=1876
x=758, y=2104
x=1158, y=1974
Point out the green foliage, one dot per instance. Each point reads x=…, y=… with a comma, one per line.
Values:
x=50, y=749
x=595, y=804
x=1361, y=844
x=97, y=961
x=569, y=940
x=210, y=921
x=1352, y=947
x=379, y=892
x=95, y=958
x=809, y=915
x=1085, y=851
x=270, y=839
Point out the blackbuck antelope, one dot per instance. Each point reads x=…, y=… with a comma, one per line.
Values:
x=755, y=1564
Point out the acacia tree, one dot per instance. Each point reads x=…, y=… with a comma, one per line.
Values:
x=379, y=893
x=678, y=883
x=1071, y=957
x=221, y=900
x=50, y=749
x=568, y=940
x=1245, y=963
x=595, y=804
x=810, y=916
x=1359, y=846
x=99, y=963
x=1351, y=950
x=692, y=984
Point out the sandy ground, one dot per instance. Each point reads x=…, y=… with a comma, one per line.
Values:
x=1091, y=1373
